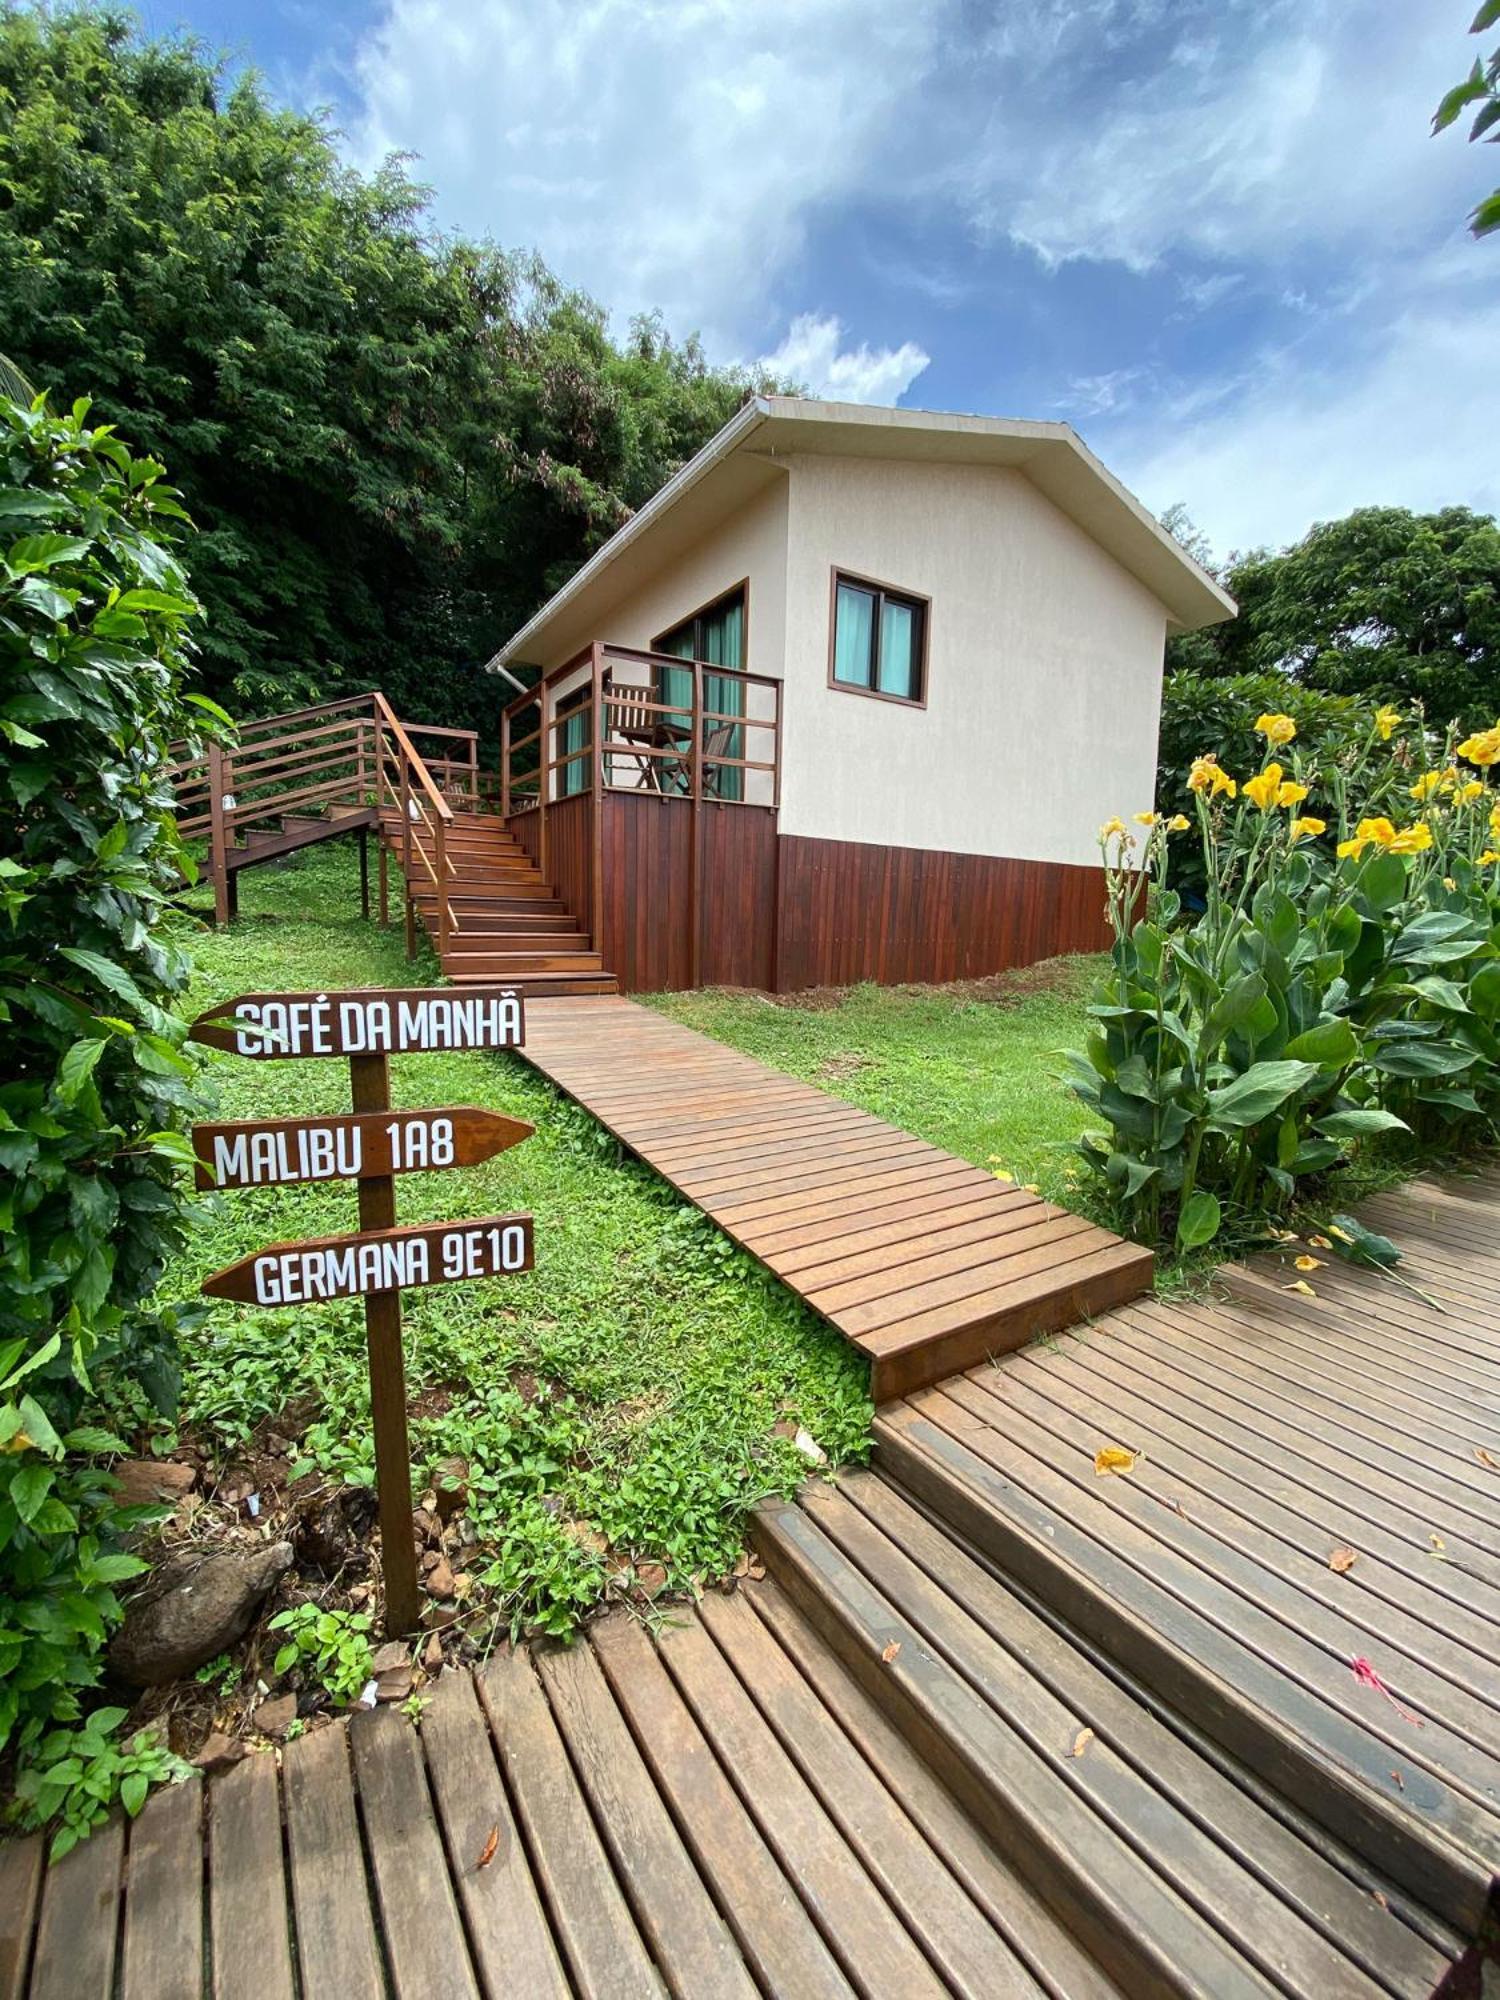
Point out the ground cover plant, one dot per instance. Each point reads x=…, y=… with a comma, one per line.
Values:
x=969, y=1067
x=1340, y=984
x=616, y=1411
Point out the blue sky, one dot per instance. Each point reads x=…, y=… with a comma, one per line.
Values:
x=1212, y=234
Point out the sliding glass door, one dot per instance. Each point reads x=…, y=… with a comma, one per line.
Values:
x=716, y=635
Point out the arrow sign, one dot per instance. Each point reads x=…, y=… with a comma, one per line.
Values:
x=369, y=1021
x=275, y=1152
x=379, y=1260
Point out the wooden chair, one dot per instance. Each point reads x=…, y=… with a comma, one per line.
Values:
x=716, y=744
x=636, y=723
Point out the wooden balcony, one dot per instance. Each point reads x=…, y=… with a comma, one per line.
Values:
x=646, y=788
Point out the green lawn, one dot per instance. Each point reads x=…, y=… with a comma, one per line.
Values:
x=617, y=1403
x=974, y=1074
x=628, y=1400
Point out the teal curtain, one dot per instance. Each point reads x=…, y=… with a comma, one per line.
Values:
x=854, y=636
x=899, y=648
x=573, y=734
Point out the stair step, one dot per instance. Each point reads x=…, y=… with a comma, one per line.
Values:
x=500, y=964
x=1275, y=1705
x=517, y=942
x=1160, y=1861
x=543, y=985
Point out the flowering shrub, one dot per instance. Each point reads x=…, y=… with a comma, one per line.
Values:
x=1342, y=980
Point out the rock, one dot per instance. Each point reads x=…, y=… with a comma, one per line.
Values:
x=440, y=1578
x=810, y=1449
x=651, y=1577
x=395, y=1653
x=333, y=1531
x=276, y=1716
x=395, y=1685
x=451, y=1487
x=298, y=1414
x=192, y=1608
x=432, y=1654
x=147, y=1482
x=220, y=1752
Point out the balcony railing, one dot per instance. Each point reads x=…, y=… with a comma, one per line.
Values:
x=616, y=719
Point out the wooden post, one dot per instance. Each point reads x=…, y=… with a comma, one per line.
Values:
x=442, y=889
x=474, y=768
x=370, y=1083
x=218, y=837
x=544, y=779
x=695, y=855
x=505, y=763
x=382, y=878
x=411, y=910
x=364, y=875
x=600, y=729
x=776, y=754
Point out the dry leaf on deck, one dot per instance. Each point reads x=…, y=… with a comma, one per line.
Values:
x=1113, y=1458
x=1439, y=1548
x=1487, y=1458
x=1342, y=1560
x=1081, y=1742
x=489, y=1848
x=891, y=1651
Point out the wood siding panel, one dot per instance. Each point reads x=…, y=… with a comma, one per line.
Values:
x=738, y=896
x=849, y=911
x=570, y=856
x=647, y=893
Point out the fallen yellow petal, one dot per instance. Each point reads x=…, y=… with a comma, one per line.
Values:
x=1300, y=1285
x=1113, y=1458
x=1309, y=1263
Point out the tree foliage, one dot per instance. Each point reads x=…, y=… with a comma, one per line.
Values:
x=394, y=443
x=1385, y=604
x=95, y=1088
x=1482, y=87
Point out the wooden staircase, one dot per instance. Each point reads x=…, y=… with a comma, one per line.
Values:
x=505, y=921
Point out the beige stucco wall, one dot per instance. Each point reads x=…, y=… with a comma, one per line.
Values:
x=1044, y=667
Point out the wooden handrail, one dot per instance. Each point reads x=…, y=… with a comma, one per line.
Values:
x=387, y=715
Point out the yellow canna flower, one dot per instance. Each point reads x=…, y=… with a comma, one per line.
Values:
x=1263, y=789
x=1434, y=781
x=1483, y=748
x=1412, y=839
x=1303, y=828
x=1449, y=883
x=1309, y=1263
x=1354, y=847
x=1113, y=829
x=1277, y=729
x=1488, y=858
x=1466, y=794
x=1379, y=830
x=1290, y=794
x=1206, y=776
x=1144, y=819
x=1178, y=823
x=1387, y=722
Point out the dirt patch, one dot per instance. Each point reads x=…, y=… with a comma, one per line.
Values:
x=815, y=1000
x=1069, y=978
x=837, y=1068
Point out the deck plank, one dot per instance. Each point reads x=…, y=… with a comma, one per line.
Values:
x=336, y=1934
x=424, y=1936
x=595, y=1927
x=163, y=1947
x=247, y=1894
x=513, y=1945
x=21, y=1866
x=689, y=1939
x=76, y=1932
x=832, y=1199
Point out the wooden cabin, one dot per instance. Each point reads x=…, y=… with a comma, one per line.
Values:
x=848, y=699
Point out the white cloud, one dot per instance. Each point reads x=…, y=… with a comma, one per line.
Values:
x=1402, y=423
x=660, y=153
x=811, y=353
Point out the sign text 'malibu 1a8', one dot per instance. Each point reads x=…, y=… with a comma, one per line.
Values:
x=369, y=1145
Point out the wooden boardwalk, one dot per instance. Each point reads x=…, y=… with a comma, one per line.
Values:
x=923, y=1261
x=1225, y=1726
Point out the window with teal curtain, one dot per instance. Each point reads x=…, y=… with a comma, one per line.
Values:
x=715, y=635
x=879, y=640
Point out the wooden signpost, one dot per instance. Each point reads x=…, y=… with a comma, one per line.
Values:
x=370, y=1146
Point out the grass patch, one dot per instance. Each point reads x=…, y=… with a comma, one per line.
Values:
x=618, y=1406
x=970, y=1068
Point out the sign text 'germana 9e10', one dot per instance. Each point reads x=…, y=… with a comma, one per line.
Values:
x=381, y=1260
x=279, y=1025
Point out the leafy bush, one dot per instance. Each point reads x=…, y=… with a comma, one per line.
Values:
x=1341, y=981
x=75, y=1775
x=332, y=1647
x=97, y=1088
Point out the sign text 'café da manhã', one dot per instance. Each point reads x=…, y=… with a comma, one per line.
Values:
x=278, y=1025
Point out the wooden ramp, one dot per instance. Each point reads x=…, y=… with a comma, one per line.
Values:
x=1303, y=1564
x=924, y=1262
